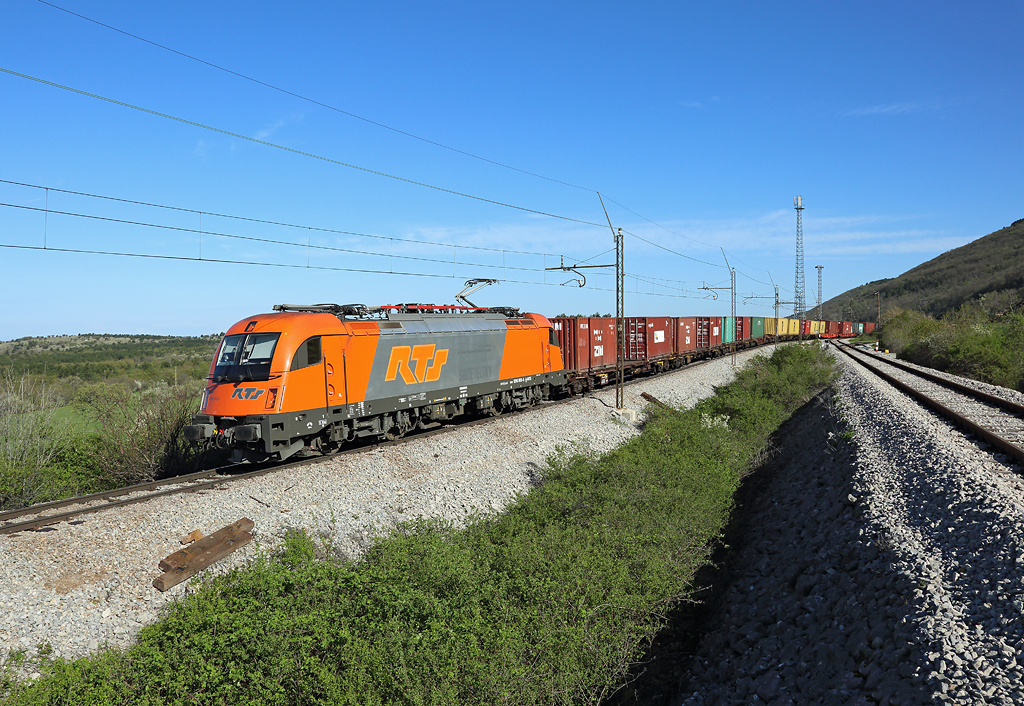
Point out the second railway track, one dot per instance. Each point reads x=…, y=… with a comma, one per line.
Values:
x=996, y=420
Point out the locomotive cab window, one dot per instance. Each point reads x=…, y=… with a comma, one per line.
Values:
x=307, y=354
x=245, y=357
x=552, y=337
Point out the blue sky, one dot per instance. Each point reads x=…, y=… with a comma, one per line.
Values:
x=898, y=123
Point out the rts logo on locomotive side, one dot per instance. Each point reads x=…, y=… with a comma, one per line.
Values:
x=246, y=393
x=420, y=356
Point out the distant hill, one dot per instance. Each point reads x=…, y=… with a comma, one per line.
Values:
x=992, y=266
x=93, y=357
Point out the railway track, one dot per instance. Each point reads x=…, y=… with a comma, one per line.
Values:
x=191, y=483
x=997, y=421
x=42, y=515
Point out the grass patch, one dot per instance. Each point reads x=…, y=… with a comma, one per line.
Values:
x=551, y=602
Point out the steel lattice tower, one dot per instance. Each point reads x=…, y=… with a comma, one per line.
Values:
x=799, y=301
x=819, y=268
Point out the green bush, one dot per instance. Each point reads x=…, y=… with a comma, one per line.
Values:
x=551, y=602
x=965, y=343
x=140, y=433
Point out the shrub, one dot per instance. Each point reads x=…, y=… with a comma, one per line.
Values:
x=32, y=437
x=141, y=433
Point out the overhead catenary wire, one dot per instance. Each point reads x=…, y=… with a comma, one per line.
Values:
x=265, y=221
x=286, y=265
x=675, y=285
x=354, y=166
x=376, y=123
x=314, y=101
x=292, y=150
x=297, y=245
x=364, y=169
x=269, y=241
x=681, y=235
x=674, y=252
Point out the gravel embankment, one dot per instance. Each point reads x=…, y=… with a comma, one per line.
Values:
x=84, y=585
x=887, y=572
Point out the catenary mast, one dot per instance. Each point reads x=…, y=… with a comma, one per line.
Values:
x=799, y=300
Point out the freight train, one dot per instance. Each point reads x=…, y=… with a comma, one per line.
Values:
x=308, y=379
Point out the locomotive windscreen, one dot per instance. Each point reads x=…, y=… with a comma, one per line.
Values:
x=245, y=357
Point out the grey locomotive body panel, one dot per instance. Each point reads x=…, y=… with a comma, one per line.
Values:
x=429, y=355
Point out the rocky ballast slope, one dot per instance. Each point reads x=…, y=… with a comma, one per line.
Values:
x=887, y=570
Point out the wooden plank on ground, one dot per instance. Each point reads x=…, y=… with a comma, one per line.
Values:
x=655, y=400
x=177, y=574
x=182, y=557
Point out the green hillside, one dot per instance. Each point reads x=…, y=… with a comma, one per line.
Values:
x=992, y=266
x=93, y=357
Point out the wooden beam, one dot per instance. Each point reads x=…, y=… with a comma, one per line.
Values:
x=183, y=556
x=189, y=561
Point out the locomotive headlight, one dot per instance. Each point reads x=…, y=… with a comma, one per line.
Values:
x=271, y=397
x=206, y=396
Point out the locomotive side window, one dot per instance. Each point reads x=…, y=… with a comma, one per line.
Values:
x=307, y=354
x=552, y=337
x=245, y=357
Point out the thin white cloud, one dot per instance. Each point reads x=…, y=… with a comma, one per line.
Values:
x=895, y=246
x=900, y=108
x=268, y=132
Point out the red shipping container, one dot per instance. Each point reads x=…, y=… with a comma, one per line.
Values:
x=660, y=336
x=602, y=342
x=709, y=331
x=742, y=328
x=847, y=328
x=636, y=338
x=686, y=334
x=805, y=327
x=869, y=327
x=574, y=340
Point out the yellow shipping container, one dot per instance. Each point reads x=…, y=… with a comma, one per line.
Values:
x=793, y=327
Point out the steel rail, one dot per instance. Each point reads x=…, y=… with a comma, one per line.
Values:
x=219, y=481
x=107, y=494
x=224, y=479
x=988, y=435
x=1014, y=407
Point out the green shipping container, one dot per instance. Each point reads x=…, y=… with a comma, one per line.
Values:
x=757, y=327
x=728, y=329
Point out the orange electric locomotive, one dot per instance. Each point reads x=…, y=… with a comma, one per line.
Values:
x=309, y=378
